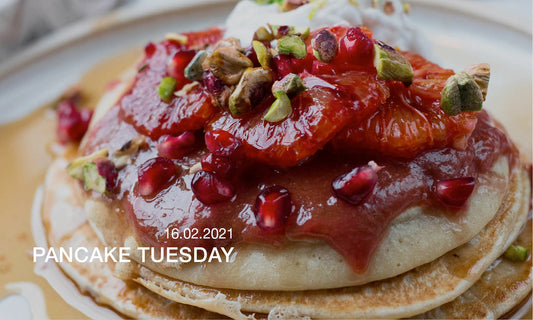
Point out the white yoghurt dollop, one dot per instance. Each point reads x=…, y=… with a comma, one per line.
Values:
x=395, y=29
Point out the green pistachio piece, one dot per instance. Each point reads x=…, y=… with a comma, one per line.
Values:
x=291, y=84
x=391, y=65
x=123, y=156
x=193, y=71
x=481, y=75
x=280, y=109
x=92, y=179
x=461, y=93
x=166, y=88
x=262, y=52
x=141, y=68
x=74, y=169
x=280, y=31
x=516, y=253
x=263, y=34
x=227, y=64
x=325, y=46
x=292, y=45
x=289, y=5
x=252, y=84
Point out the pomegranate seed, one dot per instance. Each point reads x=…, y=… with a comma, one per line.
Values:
x=220, y=166
x=212, y=83
x=149, y=49
x=283, y=30
x=176, y=66
x=176, y=147
x=222, y=143
x=272, y=208
x=209, y=188
x=355, y=186
x=455, y=192
x=72, y=123
x=154, y=175
x=356, y=47
x=106, y=168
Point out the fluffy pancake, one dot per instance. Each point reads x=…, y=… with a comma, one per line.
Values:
x=414, y=292
x=417, y=236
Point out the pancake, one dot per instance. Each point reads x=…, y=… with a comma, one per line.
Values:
x=417, y=236
x=419, y=290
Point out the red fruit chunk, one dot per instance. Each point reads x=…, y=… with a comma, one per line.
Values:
x=317, y=115
x=106, y=169
x=222, y=143
x=272, y=208
x=220, y=166
x=455, y=192
x=71, y=122
x=149, y=49
x=176, y=66
x=356, y=47
x=212, y=84
x=282, y=65
x=355, y=186
x=210, y=189
x=154, y=175
x=176, y=147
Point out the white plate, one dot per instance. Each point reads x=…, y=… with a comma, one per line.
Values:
x=462, y=33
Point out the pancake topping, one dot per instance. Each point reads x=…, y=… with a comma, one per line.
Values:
x=278, y=141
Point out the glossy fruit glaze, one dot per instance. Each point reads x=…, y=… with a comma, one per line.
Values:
x=346, y=118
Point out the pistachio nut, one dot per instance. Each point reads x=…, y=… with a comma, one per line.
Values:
x=92, y=179
x=516, y=253
x=291, y=84
x=227, y=64
x=180, y=38
x=251, y=88
x=263, y=34
x=391, y=65
x=280, y=31
x=292, y=45
x=288, y=5
x=280, y=109
x=461, y=93
x=123, y=156
x=193, y=71
x=230, y=43
x=74, y=169
x=325, y=46
x=481, y=74
x=166, y=88
x=262, y=53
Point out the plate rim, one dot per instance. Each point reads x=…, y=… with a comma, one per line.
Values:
x=122, y=16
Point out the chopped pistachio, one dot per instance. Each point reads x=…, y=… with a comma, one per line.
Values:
x=391, y=65
x=516, y=253
x=461, y=93
x=186, y=89
x=123, y=156
x=289, y=5
x=227, y=64
x=141, y=68
x=262, y=52
x=176, y=37
x=481, y=75
x=194, y=71
x=354, y=3
x=263, y=34
x=325, y=46
x=166, y=88
x=252, y=84
x=280, y=109
x=230, y=43
x=406, y=8
x=292, y=45
x=92, y=179
x=291, y=84
x=280, y=31
x=74, y=169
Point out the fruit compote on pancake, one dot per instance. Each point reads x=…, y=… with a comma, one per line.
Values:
x=325, y=135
